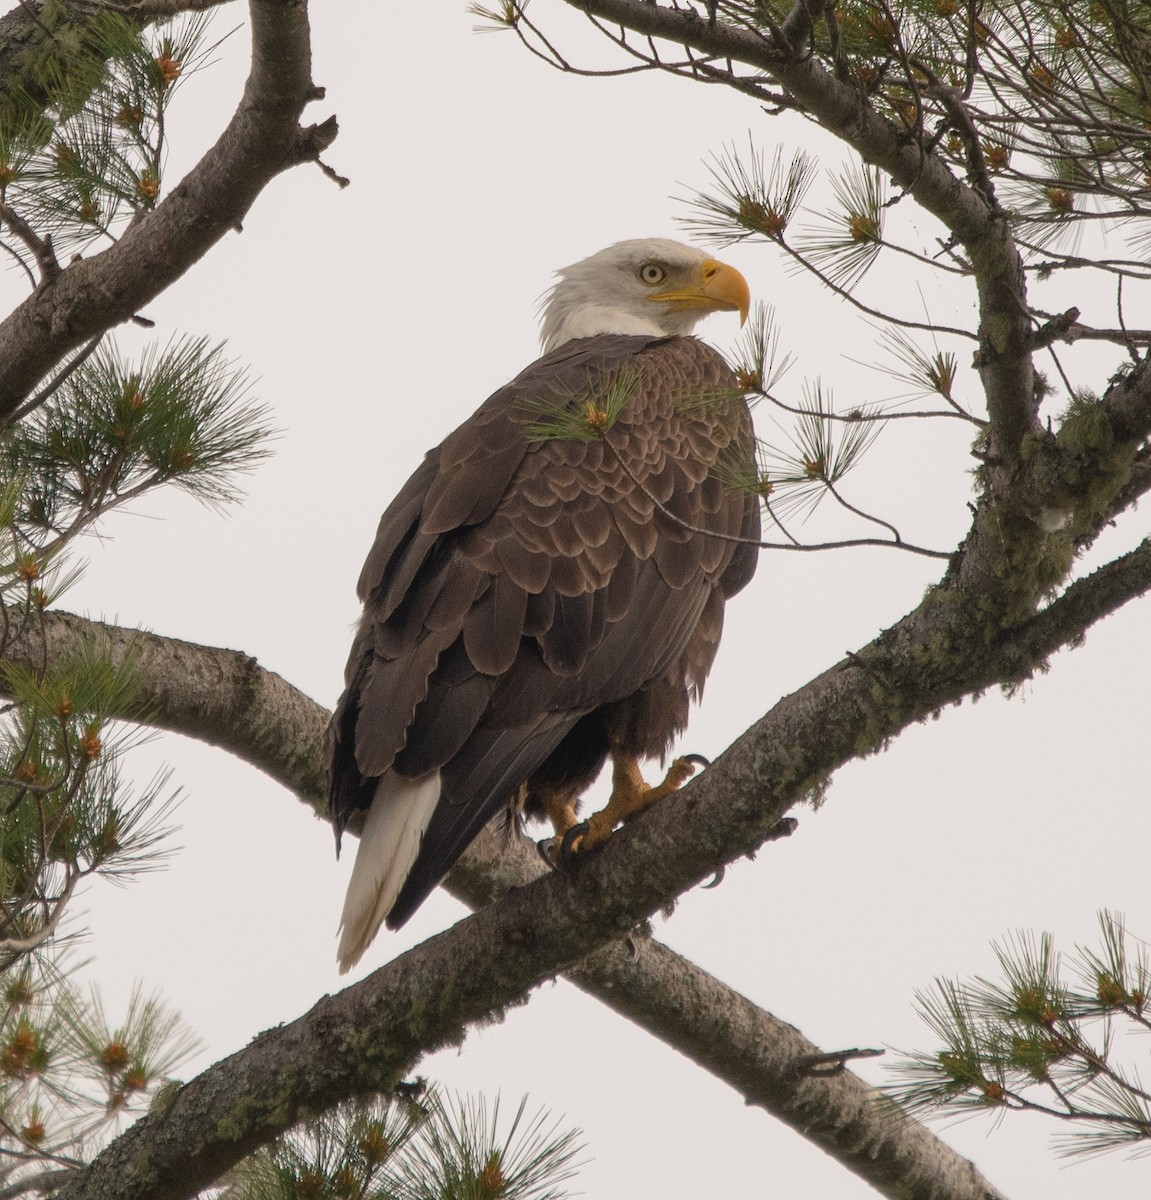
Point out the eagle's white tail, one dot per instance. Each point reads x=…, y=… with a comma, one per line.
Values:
x=393, y=830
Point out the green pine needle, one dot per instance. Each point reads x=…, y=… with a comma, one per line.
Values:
x=759, y=364
x=70, y=1073
x=94, y=156
x=821, y=452
x=497, y=20
x=148, y=1044
x=1043, y=1037
x=848, y=242
x=750, y=199
x=462, y=1153
x=584, y=416
x=928, y=375
x=435, y=1150
x=113, y=431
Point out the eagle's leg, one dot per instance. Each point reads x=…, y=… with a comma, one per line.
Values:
x=630, y=796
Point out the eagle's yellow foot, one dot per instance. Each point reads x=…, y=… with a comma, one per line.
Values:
x=630, y=796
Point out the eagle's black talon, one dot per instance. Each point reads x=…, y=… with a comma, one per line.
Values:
x=545, y=848
x=567, y=850
x=715, y=880
x=696, y=759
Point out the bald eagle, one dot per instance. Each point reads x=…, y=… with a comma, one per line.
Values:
x=547, y=590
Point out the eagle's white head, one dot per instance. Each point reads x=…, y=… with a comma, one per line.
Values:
x=646, y=285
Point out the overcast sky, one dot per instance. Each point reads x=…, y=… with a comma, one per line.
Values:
x=375, y=320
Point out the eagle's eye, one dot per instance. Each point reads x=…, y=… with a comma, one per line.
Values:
x=652, y=273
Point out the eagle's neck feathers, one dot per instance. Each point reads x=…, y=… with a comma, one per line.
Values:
x=562, y=323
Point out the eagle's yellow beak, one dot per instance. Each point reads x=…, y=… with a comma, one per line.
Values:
x=719, y=288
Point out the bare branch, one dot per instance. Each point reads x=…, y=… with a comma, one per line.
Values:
x=41, y=247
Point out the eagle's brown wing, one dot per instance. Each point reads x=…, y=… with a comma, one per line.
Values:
x=522, y=587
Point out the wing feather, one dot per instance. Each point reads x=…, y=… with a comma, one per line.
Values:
x=494, y=626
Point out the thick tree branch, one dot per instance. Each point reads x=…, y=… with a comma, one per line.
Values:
x=226, y=699
x=770, y=1064
x=1084, y=603
x=221, y=697
x=263, y=138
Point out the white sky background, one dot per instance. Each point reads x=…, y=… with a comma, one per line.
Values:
x=375, y=320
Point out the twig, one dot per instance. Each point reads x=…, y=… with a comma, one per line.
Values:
x=41, y=247
x=852, y=418
x=832, y=1062
x=844, y=294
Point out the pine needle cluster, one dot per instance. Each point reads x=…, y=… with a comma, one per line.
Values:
x=94, y=157
x=584, y=416
x=429, y=1148
x=70, y=1077
x=750, y=198
x=82, y=150
x=1058, y=1038
x=814, y=445
x=109, y=433
x=1047, y=99
x=1041, y=108
x=114, y=430
x=67, y=813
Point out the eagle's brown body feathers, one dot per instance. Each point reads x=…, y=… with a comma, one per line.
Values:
x=528, y=603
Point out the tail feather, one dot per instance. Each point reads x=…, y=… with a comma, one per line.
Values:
x=393, y=830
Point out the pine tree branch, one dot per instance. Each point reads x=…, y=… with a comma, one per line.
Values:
x=151, y=10
x=770, y=1064
x=369, y=1036
x=839, y=107
x=223, y=697
x=1084, y=603
x=1127, y=402
x=263, y=139
x=845, y=111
